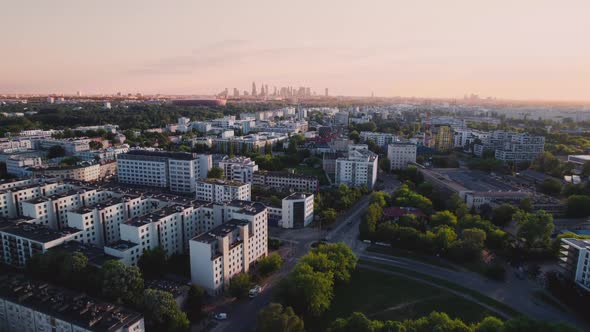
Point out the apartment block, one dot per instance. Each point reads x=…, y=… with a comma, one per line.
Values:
x=574, y=259
x=20, y=241
x=176, y=171
x=285, y=181
x=84, y=172
x=297, y=210
x=15, y=193
x=221, y=191
x=224, y=251
x=358, y=169
x=239, y=169
x=381, y=139
x=401, y=154
x=28, y=305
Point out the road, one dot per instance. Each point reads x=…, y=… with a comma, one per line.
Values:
x=516, y=293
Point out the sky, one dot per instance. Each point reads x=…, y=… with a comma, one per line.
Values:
x=517, y=49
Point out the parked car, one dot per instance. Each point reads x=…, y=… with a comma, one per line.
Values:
x=254, y=292
x=220, y=316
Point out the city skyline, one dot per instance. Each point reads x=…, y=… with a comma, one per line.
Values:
x=530, y=50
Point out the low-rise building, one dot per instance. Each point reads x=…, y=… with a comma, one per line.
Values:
x=285, y=181
x=83, y=172
x=221, y=191
x=297, y=210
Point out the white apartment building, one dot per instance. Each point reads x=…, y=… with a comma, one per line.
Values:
x=222, y=252
x=174, y=170
x=284, y=181
x=8, y=144
x=358, y=169
x=401, y=154
x=17, y=192
x=19, y=165
x=381, y=139
x=239, y=169
x=27, y=305
x=574, y=260
x=70, y=145
x=297, y=210
x=101, y=222
x=20, y=241
x=222, y=191
x=85, y=172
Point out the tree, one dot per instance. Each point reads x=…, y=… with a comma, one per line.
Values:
x=443, y=218
x=490, y=324
x=586, y=169
x=354, y=135
x=275, y=318
x=195, y=300
x=343, y=259
x=215, y=173
x=551, y=186
x=239, y=285
x=380, y=198
x=121, y=283
x=309, y=291
x=405, y=197
x=535, y=229
x=56, y=151
x=502, y=215
x=329, y=215
x=444, y=236
x=474, y=236
x=72, y=268
x=526, y=204
x=578, y=206
x=270, y=264
x=160, y=308
x=152, y=262
x=370, y=220
x=94, y=145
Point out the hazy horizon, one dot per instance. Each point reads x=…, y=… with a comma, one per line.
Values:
x=527, y=50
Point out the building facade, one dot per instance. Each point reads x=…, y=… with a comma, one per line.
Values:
x=401, y=154
x=297, y=210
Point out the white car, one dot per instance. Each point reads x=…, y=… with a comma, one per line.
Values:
x=255, y=291
x=220, y=316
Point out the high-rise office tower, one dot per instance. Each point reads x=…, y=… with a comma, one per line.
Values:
x=254, y=89
x=326, y=92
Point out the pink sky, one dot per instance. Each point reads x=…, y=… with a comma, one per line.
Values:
x=525, y=49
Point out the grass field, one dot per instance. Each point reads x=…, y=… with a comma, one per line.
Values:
x=384, y=297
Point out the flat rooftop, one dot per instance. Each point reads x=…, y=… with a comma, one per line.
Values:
x=158, y=154
x=95, y=255
x=38, y=233
x=220, y=231
x=74, y=307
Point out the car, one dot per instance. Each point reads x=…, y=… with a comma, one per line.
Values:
x=220, y=316
x=254, y=292
x=349, y=222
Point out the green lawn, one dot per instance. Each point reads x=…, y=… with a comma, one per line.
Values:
x=384, y=297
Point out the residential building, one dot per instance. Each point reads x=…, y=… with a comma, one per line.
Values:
x=285, y=181
x=19, y=165
x=224, y=251
x=20, y=241
x=574, y=260
x=239, y=169
x=84, y=172
x=358, y=169
x=28, y=305
x=381, y=139
x=222, y=191
x=176, y=171
x=297, y=210
x=401, y=154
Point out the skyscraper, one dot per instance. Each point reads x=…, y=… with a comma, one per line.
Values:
x=326, y=92
x=254, y=89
